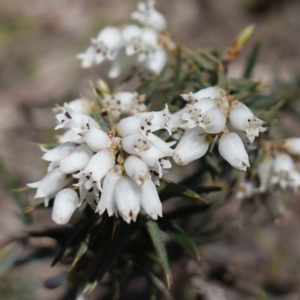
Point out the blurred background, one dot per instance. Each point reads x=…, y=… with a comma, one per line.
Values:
x=39, y=40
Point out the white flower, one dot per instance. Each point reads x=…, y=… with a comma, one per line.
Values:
x=107, y=199
x=69, y=136
x=292, y=145
x=147, y=15
x=50, y=184
x=76, y=160
x=96, y=139
x=127, y=194
x=136, y=169
x=246, y=190
x=232, y=149
x=135, y=144
x=212, y=92
x=242, y=118
x=65, y=204
x=75, y=121
x=56, y=154
x=161, y=144
x=81, y=106
x=125, y=103
x=294, y=180
x=150, y=201
x=155, y=61
x=98, y=166
x=105, y=46
x=213, y=121
x=193, y=145
x=264, y=173
x=129, y=125
x=283, y=167
x=193, y=114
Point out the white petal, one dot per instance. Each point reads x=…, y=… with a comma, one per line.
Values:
x=96, y=139
x=135, y=144
x=213, y=121
x=136, y=169
x=193, y=145
x=127, y=194
x=232, y=149
x=129, y=125
x=76, y=160
x=150, y=201
x=59, y=152
x=65, y=204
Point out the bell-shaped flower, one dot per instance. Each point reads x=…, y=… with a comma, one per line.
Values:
x=90, y=196
x=50, y=184
x=136, y=169
x=242, y=118
x=292, y=145
x=155, y=61
x=194, y=112
x=76, y=160
x=135, y=144
x=75, y=121
x=65, y=204
x=212, y=92
x=213, y=121
x=69, y=136
x=233, y=151
x=150, y=201
x=264, y=171
x=294, y=180
x=155, y=120
x=81, y=106
x=283, y=163
x=147, y=15
x=193, y=145
x=99, y=165
x=96, y=139
x=105, y=46
x=107, y=199
x=161, y=144
x=56, y=154
x=129, y=125
x=127, y=194
x=156, y=159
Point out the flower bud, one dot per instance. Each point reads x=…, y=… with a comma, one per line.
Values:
x=264, y=173
x=136, y=169
x=150, y=201
x=96, y=139
x=213, y=121
x=65, y=204
x=212, y=92
x=76, y=160
x=232, y=149
x=81, y=106
x=99, y=165
x=127, y=194
x=292, y=145
x=283, y=163
x=50, y=184
x=135, y=144
x=107, y=199
x=193, y=145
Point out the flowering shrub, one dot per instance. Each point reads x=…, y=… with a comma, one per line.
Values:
x=107, y=173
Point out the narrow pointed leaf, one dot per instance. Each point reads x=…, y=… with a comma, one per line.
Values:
x=252, y=60
x=159, y=246
x=180, y=236
x=187, y=210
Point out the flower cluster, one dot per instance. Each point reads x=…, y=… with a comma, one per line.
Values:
x=210, y=113
x=114, y=171
x=131, y=46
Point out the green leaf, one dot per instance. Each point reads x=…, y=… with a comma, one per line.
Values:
x=222, y=77
x=83, y=247
x=159, y=246
x=201, y=61
x=170, y=189
x=186, y=210
x=78, y=236
x=252, y=60
x=107, y=256
x=179, y=235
